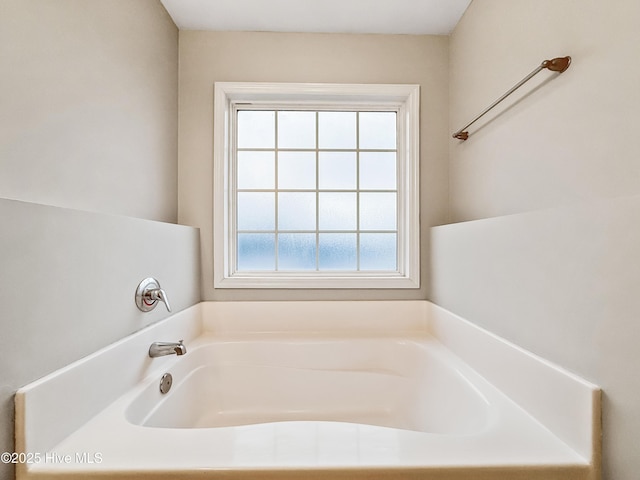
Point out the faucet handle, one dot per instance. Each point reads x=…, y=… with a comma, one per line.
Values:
x=148, y=293
x=159, y=294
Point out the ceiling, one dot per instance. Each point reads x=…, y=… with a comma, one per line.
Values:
x=436, y=17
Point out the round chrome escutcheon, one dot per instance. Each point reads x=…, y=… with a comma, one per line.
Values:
x=165, y=383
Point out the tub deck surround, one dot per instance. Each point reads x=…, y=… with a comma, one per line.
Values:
x=288, y=390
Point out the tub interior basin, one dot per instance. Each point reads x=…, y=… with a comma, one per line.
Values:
x=399, y=384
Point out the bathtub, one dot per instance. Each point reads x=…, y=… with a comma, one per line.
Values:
x=399, y=383
x=312, y=390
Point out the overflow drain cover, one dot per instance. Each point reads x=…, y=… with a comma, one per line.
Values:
x=165, y=383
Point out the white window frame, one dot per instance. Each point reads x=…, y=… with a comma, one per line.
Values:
x=403, y=99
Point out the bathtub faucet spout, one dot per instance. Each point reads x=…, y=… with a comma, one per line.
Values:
x=160, y=349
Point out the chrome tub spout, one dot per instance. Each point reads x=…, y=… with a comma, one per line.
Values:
x=160, y=349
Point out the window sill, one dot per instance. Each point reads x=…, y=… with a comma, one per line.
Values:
x=341, y=280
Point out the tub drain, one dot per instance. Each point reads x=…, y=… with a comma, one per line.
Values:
x=165, y=383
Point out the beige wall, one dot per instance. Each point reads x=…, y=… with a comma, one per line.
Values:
x=207, y=57
x=571, y=140
x=88, y=121
x=88, y=115
x=560, y=275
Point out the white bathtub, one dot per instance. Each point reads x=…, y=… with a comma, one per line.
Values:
x=402, y=383
x=309, y=390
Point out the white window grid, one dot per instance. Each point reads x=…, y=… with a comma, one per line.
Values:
x=317, y=190
x=404, y=99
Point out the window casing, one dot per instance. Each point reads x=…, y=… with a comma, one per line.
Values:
x=233, y=188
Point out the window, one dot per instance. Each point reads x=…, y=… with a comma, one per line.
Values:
x=316, y=186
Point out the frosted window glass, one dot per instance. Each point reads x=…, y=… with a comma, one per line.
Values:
x=256, y=251
x=378, y=251
x=299, y=215
x=378, y=130
x=337, y=170
x=337, y=130
x=378, y=211
x=337, y=211
x=256, y=129
x=256, y=170
x=296, y=211
x=296, y=129
x=337, y=251
x=297, y=251
x=256, y=211
x=297, y=170
x=378, y=170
